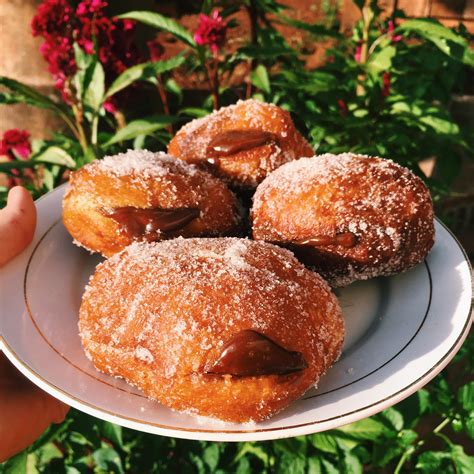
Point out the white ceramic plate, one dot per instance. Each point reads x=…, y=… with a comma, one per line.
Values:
x=401, y=331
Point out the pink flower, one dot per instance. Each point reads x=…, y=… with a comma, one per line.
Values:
x=390, y=30
x=90, y=6
x=110, y=106
x=211, y=31
x=17, y=141
x=60, y=24
x=386, y=84
x=358, y=53
x=343, y=108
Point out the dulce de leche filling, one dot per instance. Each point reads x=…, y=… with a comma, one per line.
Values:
x=151, y=223
x=233, y=141
x=249, y=353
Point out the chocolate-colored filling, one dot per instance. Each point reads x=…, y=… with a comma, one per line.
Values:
x=249, y=353
x=151, y=223
x=232, y=141
x=345, y=239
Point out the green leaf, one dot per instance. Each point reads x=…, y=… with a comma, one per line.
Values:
x=329, y=468
x=464, y=463
x=432, y=461
x=314, y=466
x=366, y=429
x=291, y=464
x=162, y=23
x=84, y=72
x=108, y=459
x=392, y=418
x=145, y=126
x=20, y=93
x=56, y=156
x=255, y=449
x=16, y=464
x=311, y=82
x=469, y=426
x=466, y=396
x=443, y=38
x=194, y=112
x=441, y=125
x=143, y=72
x=95, y=88
x=324, y=442
x=211, y=456
x=292, y=446
x=263, y=52
x=315, y=29
x=48, y=179
x=174, y=88
x=383, y=453
x=259, y=78
x=381, y=60
x=350, y=463
x=113, y=433
x=243, y=466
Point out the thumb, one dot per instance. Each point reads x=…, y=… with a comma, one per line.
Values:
x=17, y=224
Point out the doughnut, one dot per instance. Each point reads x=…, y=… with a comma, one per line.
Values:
x=241, y=143
x=145, y=196
x=349, y=217
x=225, y=328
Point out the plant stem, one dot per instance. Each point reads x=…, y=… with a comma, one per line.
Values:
x=120, y=119
x=367, y=17
x=95, y=130
x=164, y=101
x=376, y=43
x=81, y=134
x=213, y=77
x=70, y=124
x=411, y=449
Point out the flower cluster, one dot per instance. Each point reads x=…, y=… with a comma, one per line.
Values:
x=391, y=30
x=16, y=144
x=61, y=25
x=211, y=31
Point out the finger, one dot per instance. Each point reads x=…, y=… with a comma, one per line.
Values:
x=57, y=410
x=26, y=411
x=17, y=223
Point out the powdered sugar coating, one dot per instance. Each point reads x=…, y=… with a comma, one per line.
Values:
x=384, y=205
x=250, y=167
x=144, y=180
x=142, y=164
x=158, y=312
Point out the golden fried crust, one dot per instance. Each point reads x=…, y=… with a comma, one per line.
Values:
x=385, y=207
x=143, y=180
x=249, y=167
x=156, y=313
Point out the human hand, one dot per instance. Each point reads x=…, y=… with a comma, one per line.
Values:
x=25, y=410
x=17, y=224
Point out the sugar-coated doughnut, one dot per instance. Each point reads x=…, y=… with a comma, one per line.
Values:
x=227, y=328
x=350, y=217
x=241, y=143
x=145, y=196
